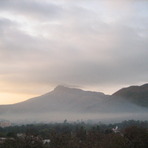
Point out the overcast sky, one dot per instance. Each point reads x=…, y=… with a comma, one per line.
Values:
x=99, y=45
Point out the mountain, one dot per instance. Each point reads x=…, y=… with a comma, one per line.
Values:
x=59, y=104
x=75, y=104
x=62, y=99
x=134, y=94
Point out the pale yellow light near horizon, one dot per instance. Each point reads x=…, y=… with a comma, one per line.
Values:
x=12, y=98
x=9, y=97
x=11, y=93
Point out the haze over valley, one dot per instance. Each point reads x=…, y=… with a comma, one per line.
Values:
x=75, y=104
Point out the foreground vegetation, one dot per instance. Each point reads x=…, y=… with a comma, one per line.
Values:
x=128, y=134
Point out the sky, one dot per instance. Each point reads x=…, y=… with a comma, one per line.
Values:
x=99, y=45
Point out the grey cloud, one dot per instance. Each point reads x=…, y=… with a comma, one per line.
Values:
x=81, y=48
x=17, y=44
x=31, y=9
x=5, y=26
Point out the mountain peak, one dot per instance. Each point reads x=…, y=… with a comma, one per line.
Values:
x=72, y=90
x=62, y=88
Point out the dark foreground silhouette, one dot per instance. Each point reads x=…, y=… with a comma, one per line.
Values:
x=128, y=134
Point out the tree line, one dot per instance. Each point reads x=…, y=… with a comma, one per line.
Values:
x=128, y=134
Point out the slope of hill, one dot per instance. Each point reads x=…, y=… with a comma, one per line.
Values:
x=63, y=99
x=73, y=104
x=134, y=94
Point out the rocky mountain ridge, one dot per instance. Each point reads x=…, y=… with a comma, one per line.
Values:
x=72, y=103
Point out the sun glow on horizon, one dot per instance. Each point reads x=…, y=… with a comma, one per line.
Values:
x=12, y=98
x=9, y=97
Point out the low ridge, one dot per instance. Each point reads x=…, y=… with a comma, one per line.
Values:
x=135, y=94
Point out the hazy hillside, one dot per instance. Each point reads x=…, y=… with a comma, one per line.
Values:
x=62, y=99
x=75, y=104
x=134, y=94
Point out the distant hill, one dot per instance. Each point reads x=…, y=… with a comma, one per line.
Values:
x=62, y=99
x=134, y=94
x=76, y=104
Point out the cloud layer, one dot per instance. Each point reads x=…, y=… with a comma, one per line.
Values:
x=90, y=44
